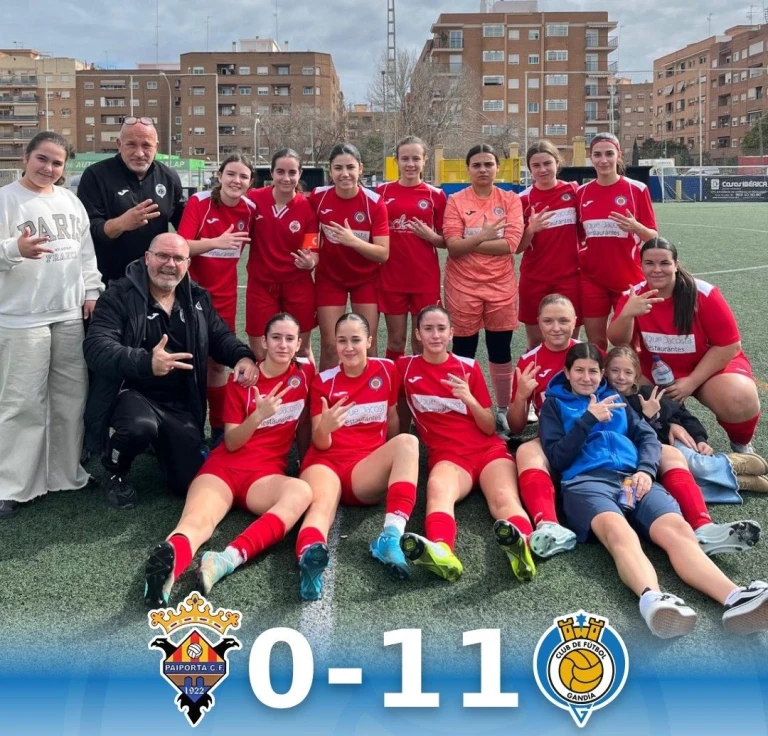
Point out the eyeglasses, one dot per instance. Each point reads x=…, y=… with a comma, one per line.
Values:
x=131, y=120
x=167, y=257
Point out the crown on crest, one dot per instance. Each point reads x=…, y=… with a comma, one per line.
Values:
x=571, y=631
x=194, y=610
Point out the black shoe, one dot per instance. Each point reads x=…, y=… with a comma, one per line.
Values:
x=157, y=572
x=217, y=435
x=9, y=509
x=120, y=495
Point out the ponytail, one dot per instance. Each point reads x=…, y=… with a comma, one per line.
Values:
x=685, y=292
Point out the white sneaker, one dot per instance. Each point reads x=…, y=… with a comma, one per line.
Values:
x=532, y=416
x=738, y=536
x=667, y=615
x=748, y=613
x=502, y=426
x=747, y=449
x=550, y=538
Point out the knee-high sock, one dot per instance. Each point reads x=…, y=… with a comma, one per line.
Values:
x=440, y=527
x=393, y=354
x=538, y=495
x=267, y=530
x=401, y=498
x=522, y=524
x=308, y=536
x=216, y=396
x=501, y=380
x=183, y=553
x=682, y=487
x=741, y=432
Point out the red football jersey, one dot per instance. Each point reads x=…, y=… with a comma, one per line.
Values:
x=611, y=257
x=373, y=392
x=656, y=334
x=444, y=422
x=271, y=442
x=278, y=232
x=413, y=265
x=554, y=252
x=215, y=270
x=550, y=364
x=367, y=216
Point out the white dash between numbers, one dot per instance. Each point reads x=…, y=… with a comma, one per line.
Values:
x=345, y=676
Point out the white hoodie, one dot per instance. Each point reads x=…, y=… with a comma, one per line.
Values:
x=37, y=292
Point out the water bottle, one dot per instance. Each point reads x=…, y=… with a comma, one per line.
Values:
x=661, y=373
x=627, y=496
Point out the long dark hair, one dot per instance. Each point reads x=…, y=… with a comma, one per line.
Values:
x=583, y=351
x=481, y=148
x=48, y=136
x=353, y=317
x=341, y=148
x=543, y=146
x=685, y=293
x=428, y=310
x=236, y=157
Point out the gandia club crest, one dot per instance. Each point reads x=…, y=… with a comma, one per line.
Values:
x=580, y=664
x=193, y=665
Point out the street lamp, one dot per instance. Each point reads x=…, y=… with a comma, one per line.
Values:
x=256, y=138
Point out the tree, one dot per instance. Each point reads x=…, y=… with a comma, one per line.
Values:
x=755, y=142
x=666, y=149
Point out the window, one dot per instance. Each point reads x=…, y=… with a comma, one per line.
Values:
x=591, y=62
x=198, y=109
x=627, y=110
x=493, y=129
x=198, y=70
x=66, y=131
x=533, y=36
x=177, y=120
x=592, y=38
x=308, y=90
x=702, y=60
x=262, y=70
x=198, y=151
x=513, y=58
x=282, y=90
x=454, y=63
x=283, y=70
x=227, y=91
x=493, y=105
x=736, y=56
x=513, y=84
x=557, y=29
x=555, y=130
x=456, y=39
x=198, y=131
x=628, y=124
x=90, y=136
x=151, y=103
x=533, y=132
x=641, y=109
x=244, y=71
x=66, y=112
x=493, y=30
x=590, y=111
x=493, y=80
x=65, y=94
x=89, y=103
x=493, y=56
x=151, y=85
x=557, y=56
x=308, y=71
x=556, y=80
x=65, y=78
x=756, y=48
x=641, y=123
x=513, y=108
x=90, y=121
x=513, y=34
x=88, y=85
x=556, y=104
x=244, y=91
x=533, y=107
x=533, y=82
x=261, y=91
x=245, y=109
x=533, y=58
x=197, y=91
x=134, y=103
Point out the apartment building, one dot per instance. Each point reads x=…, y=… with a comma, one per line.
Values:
x=729, y=69
x=634, y=113
x=37, y=92
x=547, y=74
x=209, y=103
x=363, y=120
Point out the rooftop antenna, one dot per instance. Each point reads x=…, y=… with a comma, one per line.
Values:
x=751, y=13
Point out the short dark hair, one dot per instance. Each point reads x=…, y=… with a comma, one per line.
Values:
x=583, y=351
x=353, y=317
x=49, y=136
x=481, y=148
x=428, y=310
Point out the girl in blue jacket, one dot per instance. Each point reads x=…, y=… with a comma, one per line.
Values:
x=595, y=443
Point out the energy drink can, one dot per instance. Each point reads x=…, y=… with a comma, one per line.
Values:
x=627, y=497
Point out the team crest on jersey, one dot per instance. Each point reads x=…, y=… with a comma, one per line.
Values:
x=359, y=217
x=620, y=200
x=160, y=190
x=580, y=664
x=295, y=226
x=193, y=665
x=423, y=204
x=294, y=382
x=567, y=197
x=241, y=225
x=376, y=383
x=498, y=211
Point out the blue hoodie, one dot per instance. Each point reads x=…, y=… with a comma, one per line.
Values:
x=575, y=442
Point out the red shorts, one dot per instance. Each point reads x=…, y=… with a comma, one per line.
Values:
x=226, y=306
x=475, y=464
x=239, y=480
x=263, y=301
x=596, y=300
x=395, y=302
x=532, y=292
x=332, y=294
x=740, y=364
x=343, y=469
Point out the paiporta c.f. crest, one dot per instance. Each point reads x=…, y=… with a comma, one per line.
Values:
x=193, y=665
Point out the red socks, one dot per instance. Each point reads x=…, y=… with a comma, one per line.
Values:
x=264, y=532
x=216, y=395
x=440, y=527
x=683, y=488
x=393, y=354
x=401, y=498
x=741, y=432
x=307, y=537
x=538, y=495
x=183, y=555
x=522, y=524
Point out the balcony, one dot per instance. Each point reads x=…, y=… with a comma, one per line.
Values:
x=449, y=69
x=445, y=43
x=593, y=92
x=609, y=44
x=595, y=68
x=14, y=151
x=596, y=117
x=10, y=99
x=18, y=135
x=19, y=80
x=11, y=118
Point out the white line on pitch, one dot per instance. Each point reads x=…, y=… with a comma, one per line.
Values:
x=345, y=676
x=731, y=270
x=316, y=621
x=714, y=227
